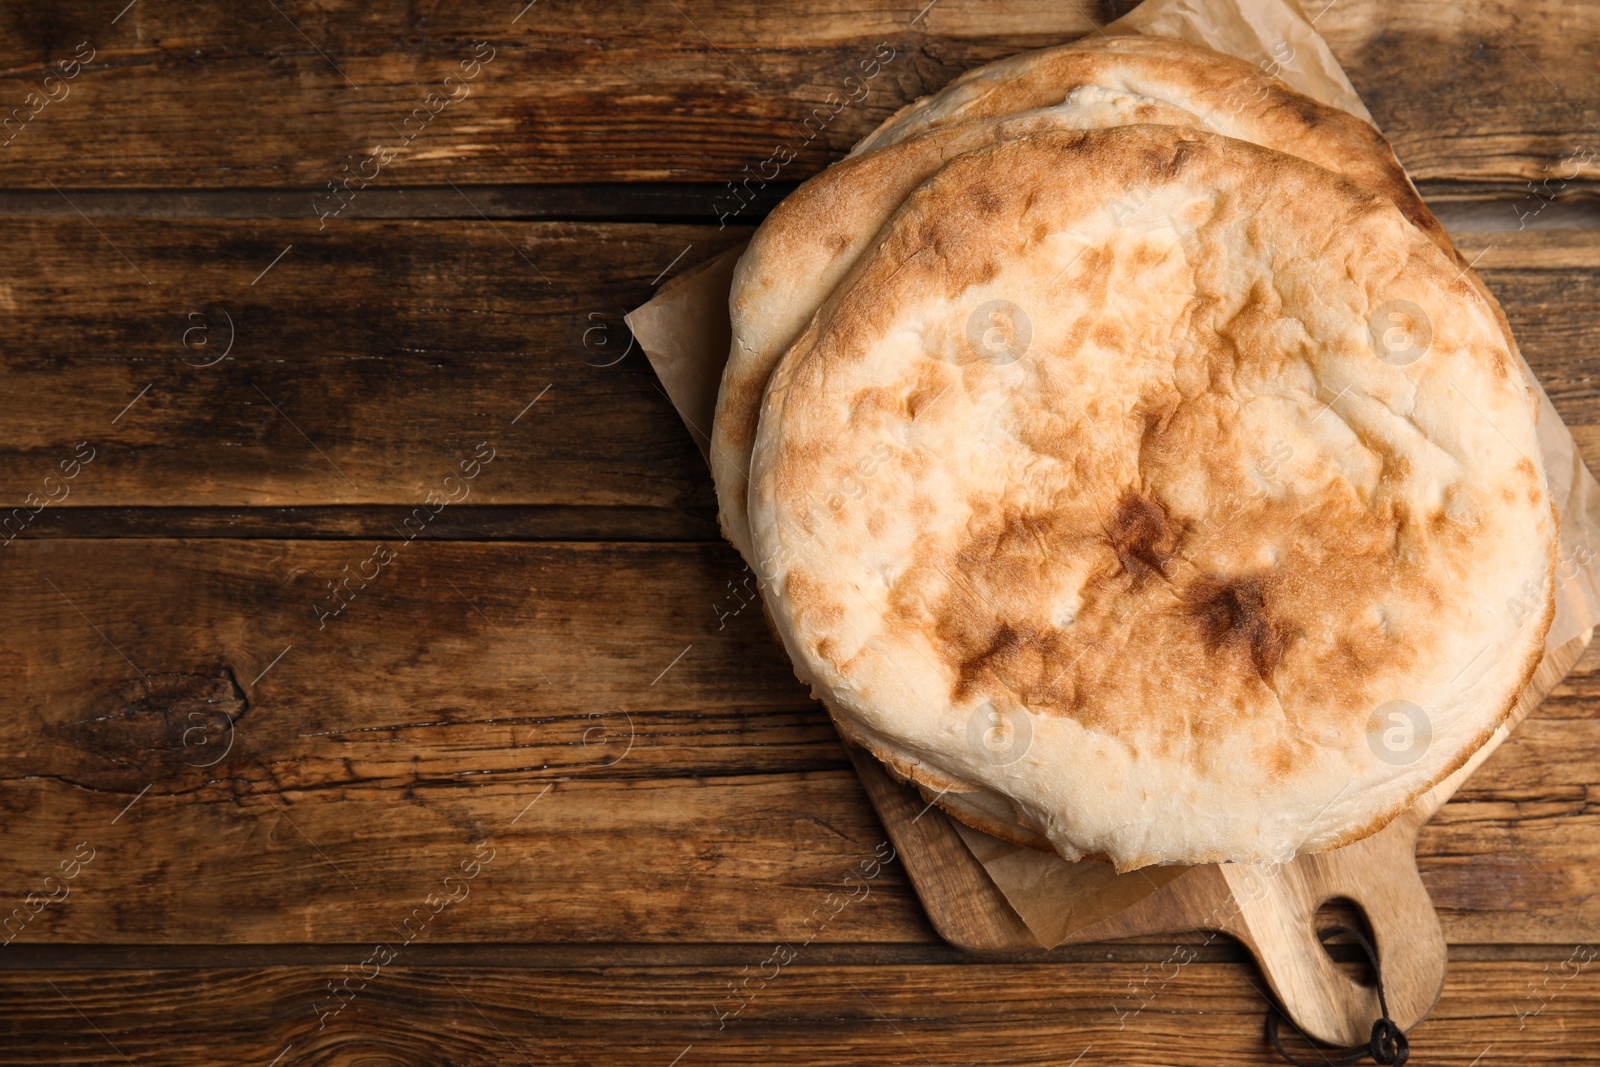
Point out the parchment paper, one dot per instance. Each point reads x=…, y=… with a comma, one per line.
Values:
x=684, y=331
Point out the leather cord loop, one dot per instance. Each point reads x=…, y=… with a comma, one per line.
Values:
x=1387, y=1047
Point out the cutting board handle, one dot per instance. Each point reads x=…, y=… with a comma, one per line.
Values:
x=1277, y=921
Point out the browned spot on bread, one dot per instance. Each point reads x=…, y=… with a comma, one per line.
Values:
x=801, y=590
x=1143, y=535
x=921, y=397
x=1235, y=616
x=986, y=200
x=1002, y=643
x=1110, y=335
x=1146, y=255
x=1180, y=156
x=1090, y=273
x=1307, y=110
x=1281, y=759
x=1502, y=368
x=1262, y=307
x=982, y=618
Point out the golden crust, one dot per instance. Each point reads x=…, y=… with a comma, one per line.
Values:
x=1521, y=672
x=1231, y=96
x=938, y=789
x=809, y=242
x=806, y=247
x=957, y=798
x=1009, y=534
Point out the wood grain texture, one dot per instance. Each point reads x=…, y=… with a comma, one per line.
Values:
x=364, y=364
x=962, y=903
x=370, y=522
x=1487, y=93
x=1169, y=1013
x=374, y=355
x=691, y=776
x=369, y=758
x=267, y=798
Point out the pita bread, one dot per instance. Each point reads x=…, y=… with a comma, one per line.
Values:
x=1101, y=495
x=811, y=240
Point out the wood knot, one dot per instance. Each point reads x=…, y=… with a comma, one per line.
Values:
x=158, y=727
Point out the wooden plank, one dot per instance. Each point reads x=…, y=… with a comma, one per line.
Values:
x=1194, y=1015
x=367, y=363
x=686, y=764
x=962, y=902
x=1486, y=93
x=373, y=357
x=1490, y=94
x=696, y=792
x=25, y=956
x=576, y=95
x=686, y=202
x=371, y=522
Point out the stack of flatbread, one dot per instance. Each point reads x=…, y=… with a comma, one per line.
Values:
x=1131, y=463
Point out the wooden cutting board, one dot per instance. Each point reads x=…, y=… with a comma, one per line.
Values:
x=1272, y=912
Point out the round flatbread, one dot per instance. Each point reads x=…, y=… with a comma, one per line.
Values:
x=1168, y=497
x=808, y=244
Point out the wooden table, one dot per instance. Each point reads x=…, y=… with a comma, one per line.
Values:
x=377, y=688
